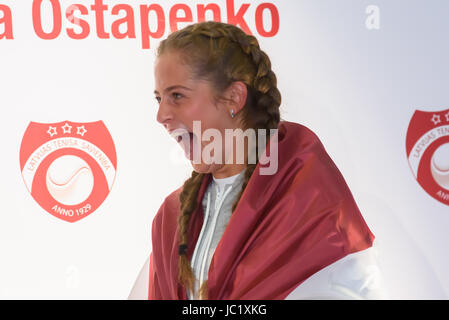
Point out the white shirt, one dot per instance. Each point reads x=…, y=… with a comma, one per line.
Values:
x=217, y=204
x=355, y=276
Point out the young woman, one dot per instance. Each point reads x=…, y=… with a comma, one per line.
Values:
x=234, y=231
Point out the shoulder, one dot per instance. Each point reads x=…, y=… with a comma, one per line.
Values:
x=301, y=150
x=355, y=276
x=297, y=141
x=299, y=135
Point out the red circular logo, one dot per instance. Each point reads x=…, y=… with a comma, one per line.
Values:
x=427, y=147
x=68, y=167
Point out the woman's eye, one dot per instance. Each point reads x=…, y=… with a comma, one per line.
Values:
x=177, y=96
x=158, y=99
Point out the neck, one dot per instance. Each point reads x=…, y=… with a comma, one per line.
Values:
x=233, y=167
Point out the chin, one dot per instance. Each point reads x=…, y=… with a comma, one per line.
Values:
x=203, y=168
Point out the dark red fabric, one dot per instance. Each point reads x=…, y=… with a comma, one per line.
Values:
x=286, y=227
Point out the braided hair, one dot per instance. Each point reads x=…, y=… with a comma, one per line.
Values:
x=222, y=53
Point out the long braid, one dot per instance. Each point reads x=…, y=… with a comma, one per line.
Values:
x=268, y=97
x=187, y=198
x=223, y=53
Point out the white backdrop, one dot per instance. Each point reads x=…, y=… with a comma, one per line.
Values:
x=352, y=71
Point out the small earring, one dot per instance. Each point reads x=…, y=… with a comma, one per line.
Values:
x=232, y=113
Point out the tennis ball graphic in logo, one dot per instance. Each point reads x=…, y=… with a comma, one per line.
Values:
x=440, y=165
x=69, y=180
x=68, y=167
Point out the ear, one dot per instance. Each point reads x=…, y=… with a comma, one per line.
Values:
x=236, y=95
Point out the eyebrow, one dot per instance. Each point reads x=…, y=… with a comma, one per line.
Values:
x=174, y=87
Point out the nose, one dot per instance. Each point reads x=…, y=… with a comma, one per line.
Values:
x=164, y=114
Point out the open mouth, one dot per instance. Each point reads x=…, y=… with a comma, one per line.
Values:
x=181, y=134
x=185, y=139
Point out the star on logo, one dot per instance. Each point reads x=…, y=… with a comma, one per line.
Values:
x=67, y=128
x=51, y=131
x=81, y=130
x=435, y=119
x=447, y=116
